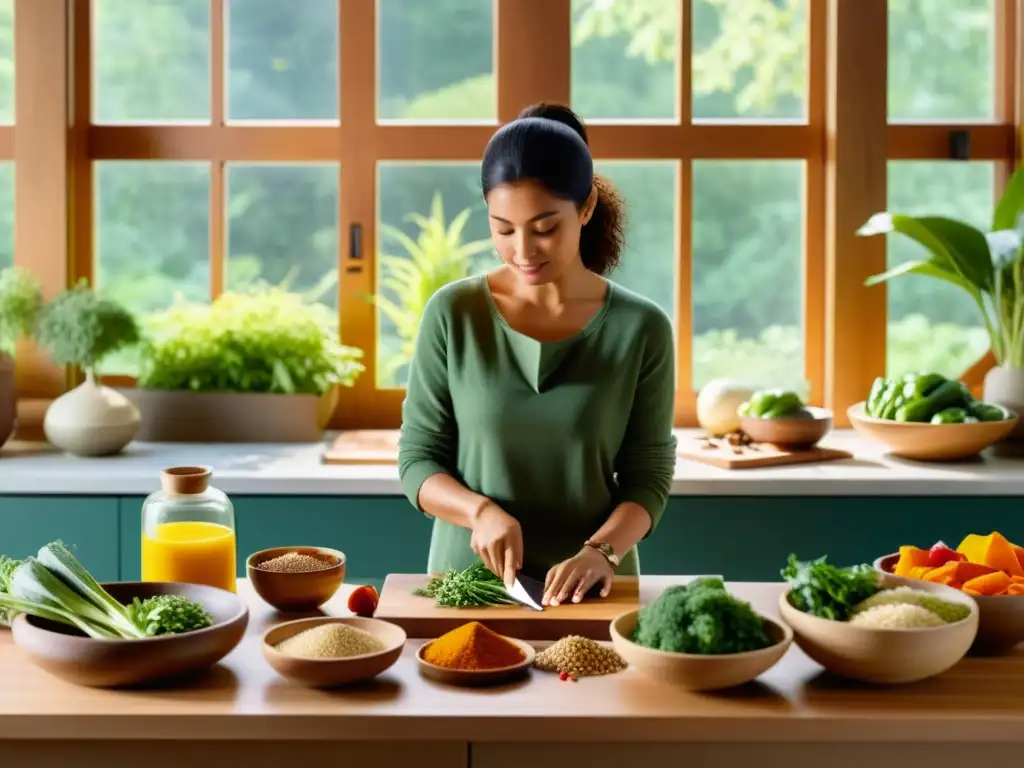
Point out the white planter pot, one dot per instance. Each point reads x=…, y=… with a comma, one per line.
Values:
x=1005, y=386
x=91, y=420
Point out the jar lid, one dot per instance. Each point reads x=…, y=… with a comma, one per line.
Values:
x=185, y=481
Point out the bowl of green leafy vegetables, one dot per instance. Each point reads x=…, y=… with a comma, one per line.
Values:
x=869, y=626
x=700, y=637
x=114, y=634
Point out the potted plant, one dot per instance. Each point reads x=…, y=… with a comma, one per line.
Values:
x=989, y=266
x=263, y=365
x=81, y=328
x=21, y=298
x=435, y=258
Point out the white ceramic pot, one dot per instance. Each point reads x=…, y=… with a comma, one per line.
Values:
x=1005, y=386
x=91, y=420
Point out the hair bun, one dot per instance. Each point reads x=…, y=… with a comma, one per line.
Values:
x=560, y=113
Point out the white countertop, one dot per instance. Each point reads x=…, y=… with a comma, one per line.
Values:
x=257, y=469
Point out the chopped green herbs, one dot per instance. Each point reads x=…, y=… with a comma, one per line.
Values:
x=475, y=586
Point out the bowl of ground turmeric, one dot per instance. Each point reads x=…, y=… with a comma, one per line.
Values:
x=296, y=578
x=474, y=655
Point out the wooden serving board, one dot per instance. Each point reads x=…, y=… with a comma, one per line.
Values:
x=721, y=454
x=364, y=446
x=421, y=618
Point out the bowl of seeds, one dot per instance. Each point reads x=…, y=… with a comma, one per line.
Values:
x=327, y=652
x=574, y=657
x=296, y=578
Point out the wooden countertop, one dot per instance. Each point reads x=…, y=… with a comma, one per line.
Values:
x=980, y=700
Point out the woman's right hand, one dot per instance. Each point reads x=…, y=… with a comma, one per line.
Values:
x=498, y=540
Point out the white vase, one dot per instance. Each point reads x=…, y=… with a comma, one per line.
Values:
x=1005, y=386
x=91, y=420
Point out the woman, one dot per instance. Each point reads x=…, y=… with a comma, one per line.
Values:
x=537, y=424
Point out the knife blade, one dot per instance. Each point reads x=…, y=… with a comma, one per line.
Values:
x=527, y=591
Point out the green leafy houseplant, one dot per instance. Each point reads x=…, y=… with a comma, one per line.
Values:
x=435, y=258
x=80, y=327
x=21, y=299
x=265, y=340
x=989, y=266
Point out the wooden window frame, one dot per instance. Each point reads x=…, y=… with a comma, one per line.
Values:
x=845, y=144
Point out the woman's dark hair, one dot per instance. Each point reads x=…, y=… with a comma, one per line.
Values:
x=547, y=143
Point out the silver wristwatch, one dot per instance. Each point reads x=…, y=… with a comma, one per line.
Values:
x=605, y=549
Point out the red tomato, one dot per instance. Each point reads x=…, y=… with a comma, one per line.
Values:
x=941, y=554
x=363, y=600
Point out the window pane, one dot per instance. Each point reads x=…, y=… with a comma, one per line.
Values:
x=283, y=228
x=436, y=60
x=282, y=60
x=749, y=59
x=6, y=215
x=624, y=59
x=439, y=192
x=941, y=59
x=6, y=61
x=933, y=325
x=748, y=272
x=151, y=61
x=650, y=190
x=152, y=236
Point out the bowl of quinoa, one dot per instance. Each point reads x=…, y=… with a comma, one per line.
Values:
x=296, y=578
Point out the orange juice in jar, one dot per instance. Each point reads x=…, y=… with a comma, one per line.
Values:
x=188, y=531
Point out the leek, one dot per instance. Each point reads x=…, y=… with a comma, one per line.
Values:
x=59, y=560
x=15, y=606
x=7, y=566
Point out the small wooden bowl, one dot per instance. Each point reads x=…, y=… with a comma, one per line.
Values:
x=698, y=672
x=112, y=663
x=1000, y=617
x=296, y=591
x=476, y=677
x=330, y=673
x=885, y=656
x=930, y=442
x=796, y=432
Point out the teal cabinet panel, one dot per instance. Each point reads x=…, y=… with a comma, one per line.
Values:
x=87, y=525
x=379, y=535
x=749, y=539
x=130, y=514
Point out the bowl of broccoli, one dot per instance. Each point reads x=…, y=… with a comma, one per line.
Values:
x=700, y=637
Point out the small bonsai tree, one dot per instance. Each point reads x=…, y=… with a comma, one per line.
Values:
x=80, y=328
x=21, y=298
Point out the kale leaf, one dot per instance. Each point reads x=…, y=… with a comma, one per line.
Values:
x=826, y=590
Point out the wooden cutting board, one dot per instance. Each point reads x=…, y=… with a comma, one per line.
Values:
x=719, y=453
x=364, y=446
x=420, y=618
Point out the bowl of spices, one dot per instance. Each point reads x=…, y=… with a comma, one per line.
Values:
x=296, y=578
x=326, y=652
x=473, y=654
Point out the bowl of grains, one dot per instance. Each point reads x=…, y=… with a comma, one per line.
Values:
x=326, y=652
x=296, y=578
x=574, y=657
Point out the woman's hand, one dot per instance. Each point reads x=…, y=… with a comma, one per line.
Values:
x=574, y=577
x=498, y=540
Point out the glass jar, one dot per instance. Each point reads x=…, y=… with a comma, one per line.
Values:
x=188, y=531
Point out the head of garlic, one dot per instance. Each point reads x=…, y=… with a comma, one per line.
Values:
x=717, y=404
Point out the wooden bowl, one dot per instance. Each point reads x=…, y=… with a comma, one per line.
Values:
x=1000, y=617
x=930, y=442
x=803, y=431
x=698, y=672
x=81, y=660
x=477, y=677
x=330, y=673
x=886, y=656
x=296, y=591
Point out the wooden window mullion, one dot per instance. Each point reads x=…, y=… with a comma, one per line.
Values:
x=855, y=188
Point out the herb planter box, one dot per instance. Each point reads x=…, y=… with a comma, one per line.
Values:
x=178, y=416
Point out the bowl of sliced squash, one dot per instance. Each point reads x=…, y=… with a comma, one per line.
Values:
x=989, y=568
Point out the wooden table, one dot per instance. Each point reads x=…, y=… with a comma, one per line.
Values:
x=794, y=716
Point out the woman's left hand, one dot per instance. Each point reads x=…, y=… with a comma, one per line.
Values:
x=573, y=578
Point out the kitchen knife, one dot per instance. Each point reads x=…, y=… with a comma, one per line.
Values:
x=527, y=591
